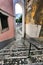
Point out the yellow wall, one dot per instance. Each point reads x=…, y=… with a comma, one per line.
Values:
x=27, y=19
x=30, y=15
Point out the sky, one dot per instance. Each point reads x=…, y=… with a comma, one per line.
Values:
x=18, y=9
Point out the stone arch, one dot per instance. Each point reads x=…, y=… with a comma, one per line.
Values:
x=21, y=3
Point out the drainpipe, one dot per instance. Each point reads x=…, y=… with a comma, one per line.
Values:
x=24, y=25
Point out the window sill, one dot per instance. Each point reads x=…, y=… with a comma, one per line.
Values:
x=6, y=29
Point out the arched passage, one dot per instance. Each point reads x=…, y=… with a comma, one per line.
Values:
x=18, y=17
x=21, y=3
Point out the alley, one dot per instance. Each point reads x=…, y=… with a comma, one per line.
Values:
x=17, y=51
x=21, y=32
x=17, y=54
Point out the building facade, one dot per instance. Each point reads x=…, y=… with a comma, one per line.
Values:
x=34, y=18
x=6, y=21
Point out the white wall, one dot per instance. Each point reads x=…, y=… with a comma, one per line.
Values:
x=33, y=30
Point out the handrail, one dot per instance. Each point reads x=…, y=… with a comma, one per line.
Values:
x=33, y=43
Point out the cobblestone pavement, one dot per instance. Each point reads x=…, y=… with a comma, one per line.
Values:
x=18, y=44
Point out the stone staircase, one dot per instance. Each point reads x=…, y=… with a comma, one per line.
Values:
x=36, y=55
x=16, y=53
x=20, y=53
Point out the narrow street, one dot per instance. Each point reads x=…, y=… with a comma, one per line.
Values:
x=21, y=32
x=20, y=54
x=17, y=52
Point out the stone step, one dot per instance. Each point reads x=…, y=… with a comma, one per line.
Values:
x=35, y=52
x=38, y=63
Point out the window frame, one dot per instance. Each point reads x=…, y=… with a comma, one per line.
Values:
x=7, y=28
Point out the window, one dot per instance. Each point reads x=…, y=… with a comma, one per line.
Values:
x=3, y=22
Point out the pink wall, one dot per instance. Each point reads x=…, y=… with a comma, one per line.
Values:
x=7, y=5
